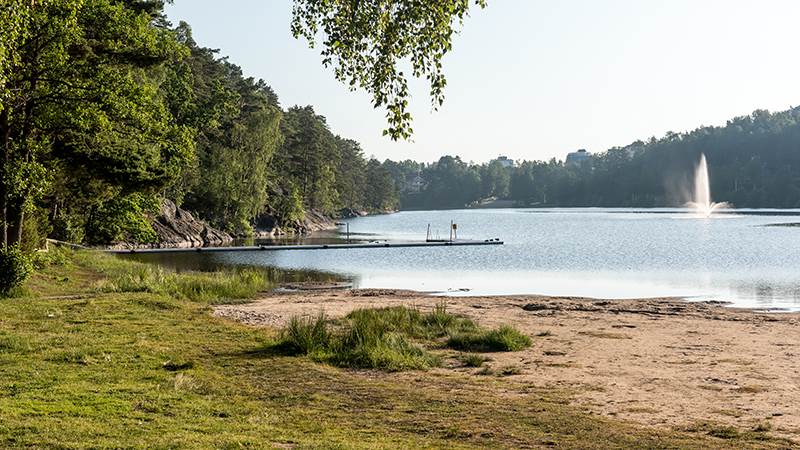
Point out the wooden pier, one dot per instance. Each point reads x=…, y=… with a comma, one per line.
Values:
x=273, y=248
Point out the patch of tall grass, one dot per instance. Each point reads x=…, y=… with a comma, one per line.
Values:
x=385, y=338
x=503, y=339
x=307, y=336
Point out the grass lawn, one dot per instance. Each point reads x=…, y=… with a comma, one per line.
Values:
x=102, y=352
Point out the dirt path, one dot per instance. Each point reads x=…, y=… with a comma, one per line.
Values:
x=659, y=362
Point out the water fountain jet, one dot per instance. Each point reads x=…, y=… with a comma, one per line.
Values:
x=701, y=196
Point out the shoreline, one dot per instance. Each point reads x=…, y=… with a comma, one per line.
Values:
x=662, y=362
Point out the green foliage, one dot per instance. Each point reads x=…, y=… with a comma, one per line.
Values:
x=450, y=183
x=367, y=43
x=78, y=96
x=35, y=230
x=380, y=193
x=237, y=127
x=308, y=159
x=15, y=268
x=287, y=204
x=503, y=339
x=351, y=176
x=104, y=108
x=123, y=219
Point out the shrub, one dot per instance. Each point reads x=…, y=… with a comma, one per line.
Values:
x=503, y=339
x=123, y=219
x=15, y=268
x=55, y=256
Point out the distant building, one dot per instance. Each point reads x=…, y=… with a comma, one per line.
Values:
x=505, y=162
x=578, y=158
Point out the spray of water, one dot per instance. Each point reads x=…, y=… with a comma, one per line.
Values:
x=701, y=202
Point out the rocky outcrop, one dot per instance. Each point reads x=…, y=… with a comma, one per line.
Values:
x=177, y=228
x=269, y=226
x=350, y=213
x=316, y=221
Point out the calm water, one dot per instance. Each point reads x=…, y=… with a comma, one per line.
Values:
x=602, y=253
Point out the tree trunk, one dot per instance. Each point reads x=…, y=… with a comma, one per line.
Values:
x=5, y=138
x=17, y=217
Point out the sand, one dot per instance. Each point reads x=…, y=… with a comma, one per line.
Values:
x=657, y=362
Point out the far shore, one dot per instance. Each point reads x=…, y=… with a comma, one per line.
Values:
x=657, y=362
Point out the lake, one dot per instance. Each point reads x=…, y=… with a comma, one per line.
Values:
x=603, y=253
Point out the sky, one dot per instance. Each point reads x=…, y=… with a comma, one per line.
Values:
x=536, y=79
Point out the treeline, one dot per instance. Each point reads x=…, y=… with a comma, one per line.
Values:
x=754, y=162
x=106, y=108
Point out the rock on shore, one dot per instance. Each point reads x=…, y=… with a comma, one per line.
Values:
x=177, y=228
x=267, y=226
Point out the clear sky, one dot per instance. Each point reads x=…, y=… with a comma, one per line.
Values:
x=534, y=79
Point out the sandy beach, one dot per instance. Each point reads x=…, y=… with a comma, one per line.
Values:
x=656, y=362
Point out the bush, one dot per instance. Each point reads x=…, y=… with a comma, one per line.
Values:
x=503, y=339
x=123, y=219
x=15, y=268
x=55, y=256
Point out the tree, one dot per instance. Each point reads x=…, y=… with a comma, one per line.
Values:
x=367, y=42
x=380, y=192
x=495, y=180
x=237, y=130
x=308, y=159
x=76, y=93
x=351, y=174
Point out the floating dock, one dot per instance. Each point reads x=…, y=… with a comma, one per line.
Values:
x=273, y=248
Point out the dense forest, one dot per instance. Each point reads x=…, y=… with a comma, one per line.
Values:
x=107, y=109
x=754, y=162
